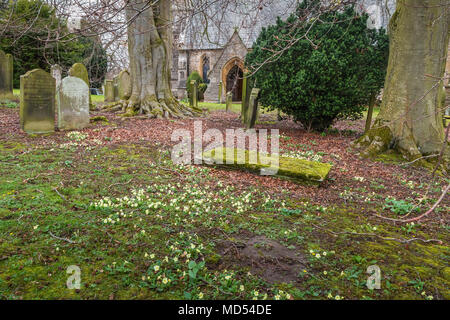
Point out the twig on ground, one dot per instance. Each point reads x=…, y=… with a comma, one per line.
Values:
x=59, y=238
x=34, y=178
x=119, y=184
x=59, y=194
x=170, y=170
x=423, y=215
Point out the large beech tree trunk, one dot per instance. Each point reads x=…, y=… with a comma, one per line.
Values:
x=150, y=50
x=410, y=119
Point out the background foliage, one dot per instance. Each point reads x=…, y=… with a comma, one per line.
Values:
x=27, y=42
x=330, y=74
x=201, y=85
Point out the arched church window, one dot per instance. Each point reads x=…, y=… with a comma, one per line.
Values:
x=205, y=69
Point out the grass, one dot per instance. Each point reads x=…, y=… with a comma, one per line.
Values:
x=236, y=108
x=95, y=98
x=98, y=98
x=143, y=228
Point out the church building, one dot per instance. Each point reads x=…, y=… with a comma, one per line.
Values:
x=216, y=48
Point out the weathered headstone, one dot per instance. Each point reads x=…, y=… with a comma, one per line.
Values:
x=56, y=72
x=72, y=101
x=109, y=91
x=193, y=100
x=220, y=92
x=6, y=74
x=253, y=109
x=79, y=70
x=116, y=88
x=37, y=102
x=246, y=89
x=124, y=85
x=229, y=101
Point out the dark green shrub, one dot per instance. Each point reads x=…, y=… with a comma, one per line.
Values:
x=329, y=75
x=201, y=85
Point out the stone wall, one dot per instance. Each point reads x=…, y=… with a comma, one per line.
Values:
x=234, y=50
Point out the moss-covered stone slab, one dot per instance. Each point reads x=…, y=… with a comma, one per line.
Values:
x=297, y=170
x=37, y=102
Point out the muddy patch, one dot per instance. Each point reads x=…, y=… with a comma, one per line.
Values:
x=265, y=257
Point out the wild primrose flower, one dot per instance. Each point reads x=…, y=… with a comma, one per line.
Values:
x=156, y=268
x=200, y=295
x=242, y=288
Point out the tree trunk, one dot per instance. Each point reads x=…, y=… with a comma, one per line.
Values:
x=410, y=118
x=373, y=100
x=150, y=51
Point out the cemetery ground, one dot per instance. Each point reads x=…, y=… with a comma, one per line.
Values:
x=108, y=199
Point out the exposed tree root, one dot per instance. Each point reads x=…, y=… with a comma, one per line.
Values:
x=381, y=138
x=153, y=108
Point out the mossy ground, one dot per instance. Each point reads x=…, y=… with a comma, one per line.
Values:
x=67, y=204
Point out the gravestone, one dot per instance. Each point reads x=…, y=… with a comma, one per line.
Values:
x=193, y=100
x=124, y=85
x=220, y=92
x=109, y=91
x=37, y=102
x=116, y=88
x=72, y=102
x=246, y=89
x=79, y=70
x=229, y=100
x=6, y=74
x=253, y=109
x=56, y=72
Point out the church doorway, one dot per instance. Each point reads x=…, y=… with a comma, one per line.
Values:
x=234, y=82
x=232, y=78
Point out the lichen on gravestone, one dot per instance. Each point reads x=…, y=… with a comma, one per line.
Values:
x=37, y=102
x=6, y=74
x=73, y=104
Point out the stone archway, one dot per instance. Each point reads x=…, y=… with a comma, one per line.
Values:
x=232, y=74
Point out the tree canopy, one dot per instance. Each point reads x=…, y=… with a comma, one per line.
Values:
x=25, y=35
